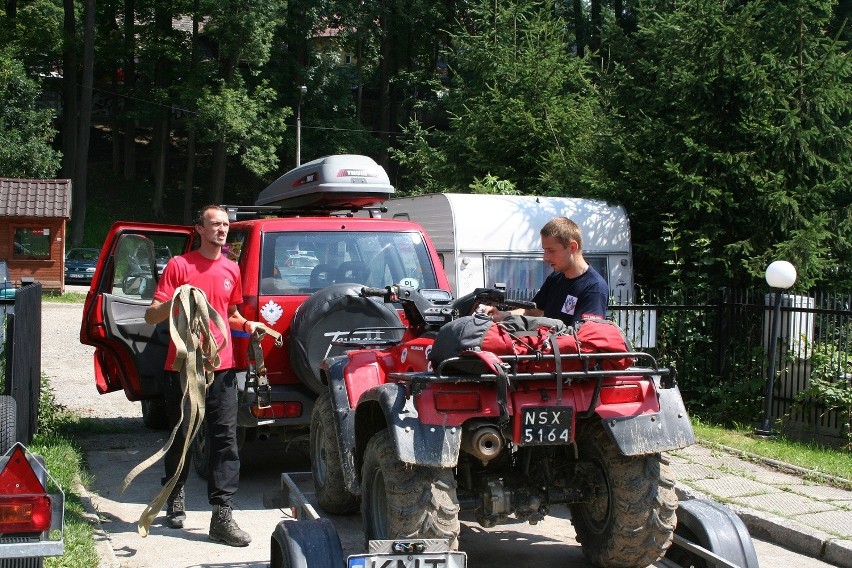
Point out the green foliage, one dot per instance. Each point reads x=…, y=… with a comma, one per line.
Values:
x=493, y=186
x=829, y=387
x=734, y=118
x=26, y=131
x=64, y=460
x=520, y=106
x=249, y=123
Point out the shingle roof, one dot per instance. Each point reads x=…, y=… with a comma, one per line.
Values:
x=35, y=197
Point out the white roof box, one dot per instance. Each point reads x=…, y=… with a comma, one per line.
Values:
x=343, y=180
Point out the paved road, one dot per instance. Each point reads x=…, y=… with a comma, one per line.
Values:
x=121, y=442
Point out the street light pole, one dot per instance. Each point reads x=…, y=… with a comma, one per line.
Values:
x=780, y=275
x=302, y=90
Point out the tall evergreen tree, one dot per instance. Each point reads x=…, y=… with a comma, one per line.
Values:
x=734, y=141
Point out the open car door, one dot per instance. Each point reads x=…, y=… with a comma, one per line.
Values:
x=130, y=353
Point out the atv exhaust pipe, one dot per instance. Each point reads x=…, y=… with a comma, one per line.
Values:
x=483, y=441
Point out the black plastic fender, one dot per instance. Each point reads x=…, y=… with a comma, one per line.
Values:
x=666, y=430
x=715, y=528
x=344, y=419
x=308, y=543
x=416, y=443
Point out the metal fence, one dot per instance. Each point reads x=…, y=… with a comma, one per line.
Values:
x=23, y=357
x=719, y=342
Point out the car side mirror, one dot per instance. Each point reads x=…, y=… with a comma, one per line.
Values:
x=139, y=285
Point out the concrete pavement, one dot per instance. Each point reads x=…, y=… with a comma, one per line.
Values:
x=785, y=508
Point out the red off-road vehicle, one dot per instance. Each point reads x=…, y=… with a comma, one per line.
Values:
x=416, y=443
x=301, y=237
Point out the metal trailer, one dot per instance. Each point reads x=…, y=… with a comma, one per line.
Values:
x=310, y=541
x=32, y=511
x=708, y=535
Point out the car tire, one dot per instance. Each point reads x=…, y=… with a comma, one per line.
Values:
x=8, y=423
x=154, y=414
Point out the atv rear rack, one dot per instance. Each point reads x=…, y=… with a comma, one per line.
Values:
x=663, y=377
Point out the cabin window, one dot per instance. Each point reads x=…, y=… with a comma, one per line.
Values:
x=31, y=243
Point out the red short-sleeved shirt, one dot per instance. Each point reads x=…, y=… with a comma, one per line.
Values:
x=220, y=281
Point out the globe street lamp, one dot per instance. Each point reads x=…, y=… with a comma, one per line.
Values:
x=302, y=90
x=780, y=275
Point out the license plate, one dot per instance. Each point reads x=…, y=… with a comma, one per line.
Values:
x=546, y=425
x=77, y=275
x=427, y=560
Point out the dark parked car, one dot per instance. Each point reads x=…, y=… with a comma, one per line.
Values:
x=80, y=265
x=7, y=287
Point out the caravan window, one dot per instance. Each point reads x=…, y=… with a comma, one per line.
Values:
x=523, y=275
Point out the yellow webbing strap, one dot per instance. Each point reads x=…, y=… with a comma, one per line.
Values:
x=197, y=356
x=255, y=353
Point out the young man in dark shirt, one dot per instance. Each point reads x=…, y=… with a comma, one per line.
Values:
x=574, y=290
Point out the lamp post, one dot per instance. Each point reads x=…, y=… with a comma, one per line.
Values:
x=302, y=90
x=780, y=275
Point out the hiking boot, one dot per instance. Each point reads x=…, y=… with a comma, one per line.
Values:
x=176, y=510
x=223, y=528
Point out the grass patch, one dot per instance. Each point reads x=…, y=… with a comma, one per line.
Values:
x=810, y=456
x=66, y=298
x=65, y=461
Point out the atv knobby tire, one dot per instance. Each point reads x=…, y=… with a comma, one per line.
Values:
x=326, y=466
x=630, y=521
x=400, y=500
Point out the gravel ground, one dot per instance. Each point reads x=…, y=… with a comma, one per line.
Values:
x=69, y=366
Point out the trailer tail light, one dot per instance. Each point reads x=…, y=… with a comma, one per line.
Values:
x=25, y=506
x=287, y=409
x=456, y=401
x=621, y=394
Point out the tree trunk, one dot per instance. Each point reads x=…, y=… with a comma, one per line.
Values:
x=220, y=154
x=159, y=151
x=385, y=74
x=595, y=39
x=78, y=206
x=69, y=91
x=579, y=28
x=129, y=84
x=189, y=176
x=189, y=173
x=160, y=143
x=217, y=177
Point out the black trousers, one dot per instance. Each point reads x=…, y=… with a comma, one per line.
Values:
x=223, y=470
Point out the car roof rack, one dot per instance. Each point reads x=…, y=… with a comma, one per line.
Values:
x=246, y=212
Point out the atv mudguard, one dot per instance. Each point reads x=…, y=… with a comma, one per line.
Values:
x=668, y=429
x=416, y=443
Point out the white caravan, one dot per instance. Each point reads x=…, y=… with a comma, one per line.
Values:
x=485, y=240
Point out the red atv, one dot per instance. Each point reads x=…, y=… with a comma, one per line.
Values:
x=416, y=440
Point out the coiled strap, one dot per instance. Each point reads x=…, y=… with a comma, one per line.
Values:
x=197, y=357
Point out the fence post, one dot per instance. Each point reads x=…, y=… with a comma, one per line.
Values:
x=721, y=329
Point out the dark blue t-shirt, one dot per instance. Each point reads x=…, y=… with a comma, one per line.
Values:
x=571, y=299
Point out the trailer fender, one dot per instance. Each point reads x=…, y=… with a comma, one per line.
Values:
x=308, y=543
x=716, y=529
x=416, y=443
x=652, y=433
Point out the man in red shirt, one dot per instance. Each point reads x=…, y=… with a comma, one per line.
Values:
x=219, y=277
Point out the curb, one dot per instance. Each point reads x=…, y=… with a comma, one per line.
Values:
x=783, y=532
x=106, y=554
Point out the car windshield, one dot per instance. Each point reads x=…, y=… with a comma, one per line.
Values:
x=83, y=254
x=296, y=263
